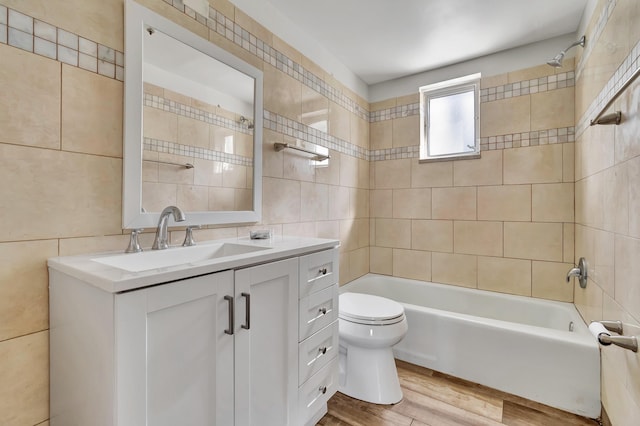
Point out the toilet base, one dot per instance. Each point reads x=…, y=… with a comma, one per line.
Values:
x=369, y=375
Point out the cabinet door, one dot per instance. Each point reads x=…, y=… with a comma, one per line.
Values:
x=174, y=359
x=266, y=354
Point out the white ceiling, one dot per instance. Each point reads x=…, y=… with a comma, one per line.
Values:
x=381, y=40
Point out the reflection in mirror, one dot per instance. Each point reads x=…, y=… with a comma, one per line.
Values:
x=197, y=141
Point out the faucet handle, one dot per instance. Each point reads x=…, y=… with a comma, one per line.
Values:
x=188, y=237
x=134, y=244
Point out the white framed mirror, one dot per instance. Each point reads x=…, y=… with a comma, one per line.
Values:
x=192, y=126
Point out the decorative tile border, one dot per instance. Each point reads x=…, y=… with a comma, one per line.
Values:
x=394, y=112
x=36, y=36
x=294, y=129
x=630, y=64
x=528, y=87
x=156, y=145
x=177, y=108
x=517, y=140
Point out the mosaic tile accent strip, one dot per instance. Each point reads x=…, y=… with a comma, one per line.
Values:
x=601, y=23
x=527, y=87
x=155, y=145
x=194, y=113
x=221, y=24
x=517, y=140
x=622, y=74
x=489, y=94
x=294, y=129
x=395, y=153
x=35, y=36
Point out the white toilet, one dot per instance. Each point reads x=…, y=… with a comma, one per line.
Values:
x=369, y=326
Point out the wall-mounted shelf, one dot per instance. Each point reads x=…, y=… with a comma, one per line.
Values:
x=279, y=146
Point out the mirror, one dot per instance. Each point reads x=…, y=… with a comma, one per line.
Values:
x=193, y=126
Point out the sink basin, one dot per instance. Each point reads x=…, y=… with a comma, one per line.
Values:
x=146, y=260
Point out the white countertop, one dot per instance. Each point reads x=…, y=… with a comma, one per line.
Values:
x=115, y=280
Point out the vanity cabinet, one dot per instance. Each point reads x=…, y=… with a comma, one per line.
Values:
x=234, y=347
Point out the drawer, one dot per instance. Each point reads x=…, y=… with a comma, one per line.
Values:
x=318, y=271
x=317, y=311
x=317, y=390
x=315, y=352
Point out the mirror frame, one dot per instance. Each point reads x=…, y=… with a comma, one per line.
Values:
x=137, y=19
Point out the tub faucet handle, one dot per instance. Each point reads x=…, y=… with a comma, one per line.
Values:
x=580, y=272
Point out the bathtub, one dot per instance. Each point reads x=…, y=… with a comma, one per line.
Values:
x=537, y=349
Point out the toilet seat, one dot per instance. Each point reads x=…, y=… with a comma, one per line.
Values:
x=368, y=309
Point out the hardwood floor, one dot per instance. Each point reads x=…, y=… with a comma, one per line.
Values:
x=435, y=399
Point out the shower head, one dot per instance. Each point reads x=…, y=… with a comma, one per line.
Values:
x=556, y=62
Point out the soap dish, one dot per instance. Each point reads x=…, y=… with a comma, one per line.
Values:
x=261, y=234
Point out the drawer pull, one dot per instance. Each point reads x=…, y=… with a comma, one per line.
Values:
x=323, y=311
x=323, y=271
x=322, y=389
x=322, y=350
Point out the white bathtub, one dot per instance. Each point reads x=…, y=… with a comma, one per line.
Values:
x=516, y=344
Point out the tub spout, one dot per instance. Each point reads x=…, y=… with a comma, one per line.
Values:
x=580, y=272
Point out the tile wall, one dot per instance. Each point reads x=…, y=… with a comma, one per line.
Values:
x=504, y=222
x=607, y=171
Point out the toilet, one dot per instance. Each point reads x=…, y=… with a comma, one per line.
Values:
x=369, y=326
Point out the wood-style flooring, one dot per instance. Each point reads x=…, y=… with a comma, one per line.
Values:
x=435, y=399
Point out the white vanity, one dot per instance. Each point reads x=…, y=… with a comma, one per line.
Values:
x=229, y=332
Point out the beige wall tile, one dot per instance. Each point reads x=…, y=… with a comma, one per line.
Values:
x=588, y=301
x=330, y=174
x=493, y=81
x=394, y=233
x=280, y=200
x=339, y=202
x=234, y=176
x=24, y=296
x=30, y=87
x=393, y=174
x=627, y=269
x=530, y=73
x=193, y=198
x=303, y=229
x=429, y=175
x=568, y=162
x=168, y=173
x=82, y=245
x=282, y=94
x=511, y=276
x=537, y=241
x=91, y=113
x=24, y=379
x=568, y=249
x=381, y=203
x=432, y=235
x=481, y=238
x=81, y=194
x=552, y=202
x=483, y=171
x=158, y=124
x=381, y=134
x=453, y=203
x=548, y=281
x=536, y=164
x=363, y=174
x=348, y=171
x=617, y=197
x=552, y=109
x=385, y=104
x=633, y=204
x=156, y=196
x=412, y=264
x=406, y=131
x=328, y=229
x=505, y=202
x=339, y=122
x=359, y=262
x=344, y=268
x=412, y=203
x=381, y=260
x=456, y=269
x=408, y=99
x=359, y=131
x=314, y=201
x=505, y=116
x=193, y=132
x=223, y=199
x=364, y=239
x=359, y=202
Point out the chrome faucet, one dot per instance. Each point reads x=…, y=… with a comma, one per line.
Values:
x=580, y=272
x=161, y=241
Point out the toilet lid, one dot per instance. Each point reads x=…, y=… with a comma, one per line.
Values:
x=358, y=307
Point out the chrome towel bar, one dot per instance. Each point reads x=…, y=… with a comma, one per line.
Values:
x=185, y=165
x=279, y=146
x=614, y=117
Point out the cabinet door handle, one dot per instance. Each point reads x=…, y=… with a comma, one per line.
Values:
x=247, y=299
x=231, y=315
x=322, y=389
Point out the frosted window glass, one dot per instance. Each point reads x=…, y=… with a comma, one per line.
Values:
x=451, y=124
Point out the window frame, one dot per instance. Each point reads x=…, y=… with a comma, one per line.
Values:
x=443, y=89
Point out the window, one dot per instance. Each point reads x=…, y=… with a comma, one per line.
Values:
x=449, y=117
